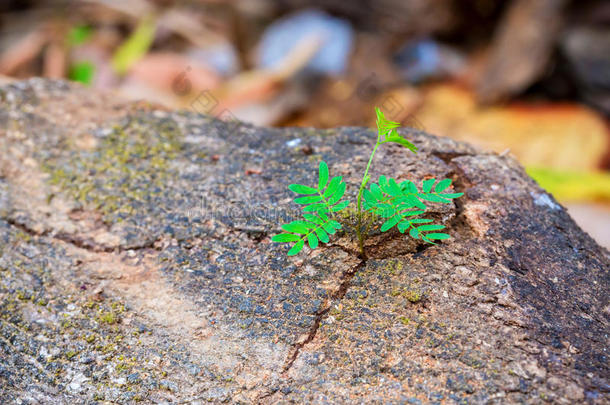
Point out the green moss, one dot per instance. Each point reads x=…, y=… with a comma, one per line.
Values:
x=70, y=354
x=413, y=296
x=392, y=267
x=404, y=320
x=26, y=237
x=107, y=348
x=122, y=367
x=22, y=295
x=108, y=317
x=66, y=324
x=128, y=166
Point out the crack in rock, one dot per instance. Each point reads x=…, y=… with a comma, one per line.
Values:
x=79, y=242
x=336, y=296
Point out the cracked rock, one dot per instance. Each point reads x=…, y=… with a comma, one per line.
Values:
x=136, y=265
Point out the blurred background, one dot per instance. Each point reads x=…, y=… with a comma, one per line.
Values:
x=527, y=77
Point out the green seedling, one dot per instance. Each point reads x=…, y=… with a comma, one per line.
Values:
x=401, y=205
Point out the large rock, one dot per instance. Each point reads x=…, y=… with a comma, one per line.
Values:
x=136, y=264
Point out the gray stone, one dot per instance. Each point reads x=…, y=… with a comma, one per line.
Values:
x=136, y=265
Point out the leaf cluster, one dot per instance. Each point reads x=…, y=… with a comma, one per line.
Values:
x=319, y=206
x=403, y=204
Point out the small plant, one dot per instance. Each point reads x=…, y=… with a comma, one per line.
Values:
x=401, y=205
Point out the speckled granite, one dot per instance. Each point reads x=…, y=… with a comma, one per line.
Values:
x=136, y=266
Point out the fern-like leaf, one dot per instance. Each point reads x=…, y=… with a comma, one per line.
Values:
x=326, y=198
x=314, y=229
x=386, y=131
x=402, y=204
x=384, y=125
x=320, y=203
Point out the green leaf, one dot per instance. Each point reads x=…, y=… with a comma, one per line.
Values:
x=451, y=195
x=337, y=195
x=335, y=224
x=332, y=186
x=301, y=189
x=285, y=237
x=376, y=191
x=322, y=235
x=313, y=218
x=296, y=248
x=312, y=240
x=387, y=225
x=403, y=226
x=393, y=188
x=403, y=203
x=384, y=126
x=427, y=185
x=408, y=186
x=296, y=227
x=437, y=236
x=425, y=228
x=79, y=35
x=442, y=185
x=82, y=72
x=433, y=198
x=136, y=46
x=308, y=199
x=385, y=210
x=395, y=138
x=383, y=182
x=420, y=221
x=319, y=208
x=329, y=228
x=341, y=206
x=414, y=202
x=414, y=233
x=323, y=175
x=369, y=199
x=407, y=223
x=573, y=185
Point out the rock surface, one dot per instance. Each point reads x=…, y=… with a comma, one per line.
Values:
x=136, y=265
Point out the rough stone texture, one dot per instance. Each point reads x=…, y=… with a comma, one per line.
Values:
x=136, y=266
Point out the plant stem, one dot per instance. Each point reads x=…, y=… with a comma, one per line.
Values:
x=365, y=179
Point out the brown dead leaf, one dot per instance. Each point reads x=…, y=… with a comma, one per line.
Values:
x=567, y=136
